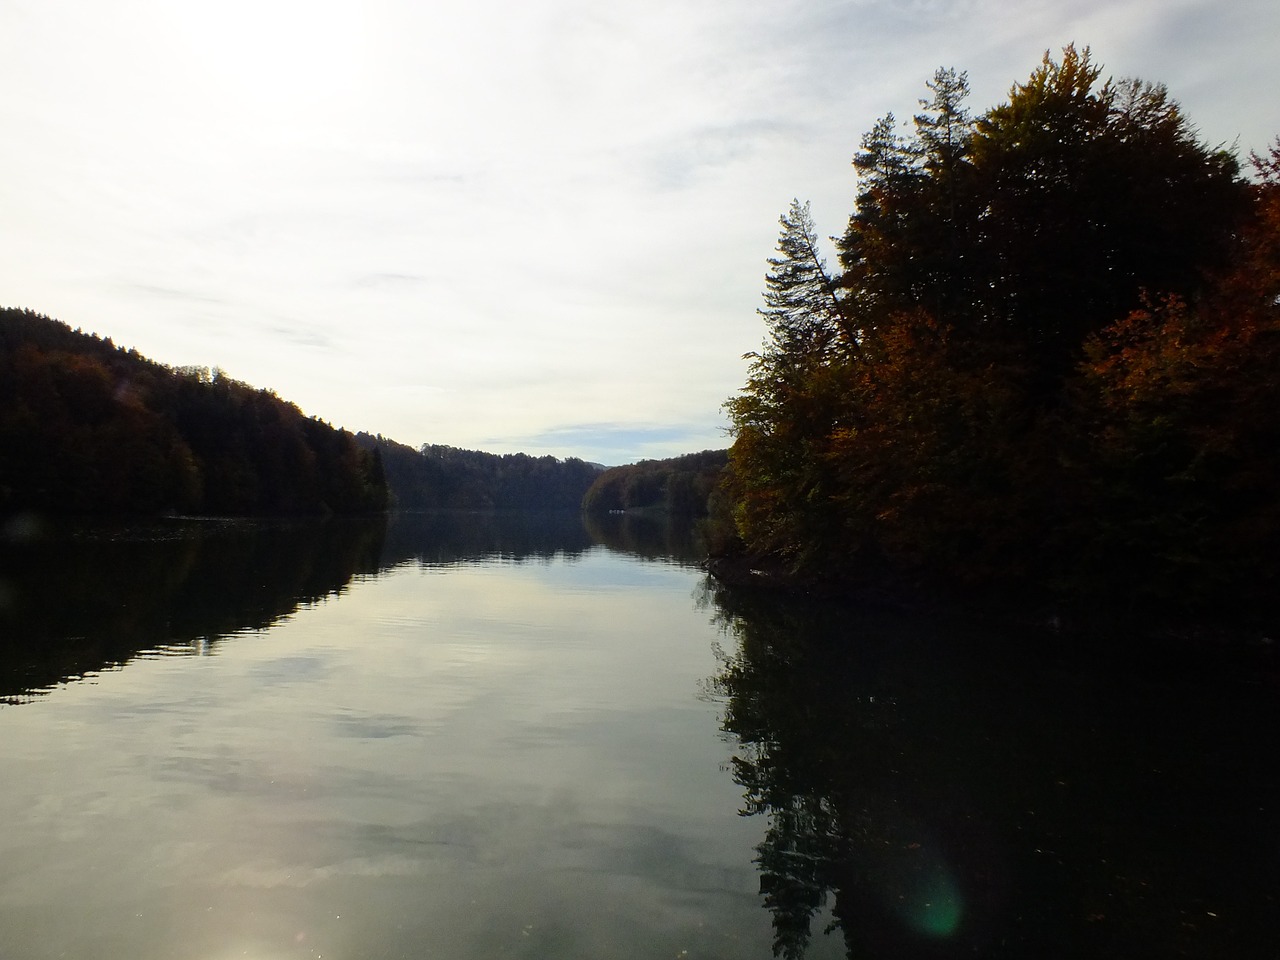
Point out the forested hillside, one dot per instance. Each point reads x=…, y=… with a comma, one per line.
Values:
x=1048, y=367
x=679, y=485
x=442, y=477
x=89, y=427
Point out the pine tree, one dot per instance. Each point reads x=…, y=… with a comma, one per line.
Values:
x=782, y=418
x=802, y=309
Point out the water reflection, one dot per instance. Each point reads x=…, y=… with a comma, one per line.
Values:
x=935, y=793
x=658, y=537
x=79, y=599
x=504, y=757
x=451, y=537
x=501, y=726
x=76, y=599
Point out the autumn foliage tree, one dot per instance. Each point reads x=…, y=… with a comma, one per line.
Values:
x=89, y=428
x=1046, y=364
x=1179, y=399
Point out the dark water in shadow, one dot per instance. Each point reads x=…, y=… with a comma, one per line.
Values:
x=478, y=735
x=948, y=791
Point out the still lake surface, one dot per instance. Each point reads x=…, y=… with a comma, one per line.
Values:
x=478, y=736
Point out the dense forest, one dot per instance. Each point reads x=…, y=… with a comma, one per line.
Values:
x=441, y=477
x=87, y=427
x=1049, y=366
x=679, y=485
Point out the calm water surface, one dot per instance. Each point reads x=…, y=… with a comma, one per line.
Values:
x=476, y=736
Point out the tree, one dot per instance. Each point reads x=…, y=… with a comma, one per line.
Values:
x=1046, y=315
x=944, y=128
x=903, y=244
x=802, y=308
x=782, y=418
x=679, y=485
x=92, y=428
x=1177, y=403
x=1087, y=197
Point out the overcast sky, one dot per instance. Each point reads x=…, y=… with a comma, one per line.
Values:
x=531, y=226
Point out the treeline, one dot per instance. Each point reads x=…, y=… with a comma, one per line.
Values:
x=1049, y=366
x=680, y=485
x=441, y=477
x=87, y=427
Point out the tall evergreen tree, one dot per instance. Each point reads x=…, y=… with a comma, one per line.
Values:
x=802, y=307
x=778, y=455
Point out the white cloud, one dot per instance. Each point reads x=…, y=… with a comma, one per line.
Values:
x=498, y=220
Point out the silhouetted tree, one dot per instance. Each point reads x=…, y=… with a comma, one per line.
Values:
x=88, y=427
x=944, y=425
x=443, y=477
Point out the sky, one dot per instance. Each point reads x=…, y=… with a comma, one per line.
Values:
x=531, y=226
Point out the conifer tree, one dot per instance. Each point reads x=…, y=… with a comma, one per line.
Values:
x=781, y=418
x=801, y=308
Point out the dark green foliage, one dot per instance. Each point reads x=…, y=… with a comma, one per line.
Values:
x=88, y=427
x=681, y=485
x=1049, y=363
x=441, y=477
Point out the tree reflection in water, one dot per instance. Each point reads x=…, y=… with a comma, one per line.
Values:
x=77, y=598
x=940, y=793
x=651, y=536
x=80, y=597
x=820, y=758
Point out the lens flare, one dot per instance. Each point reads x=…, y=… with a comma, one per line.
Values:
x=936, y=906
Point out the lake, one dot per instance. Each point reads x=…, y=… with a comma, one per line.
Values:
x=478, y=736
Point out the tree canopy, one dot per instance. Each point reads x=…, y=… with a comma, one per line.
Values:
x=436, y=476
x=678, y=485
x=1045, y=365
x=88, y=427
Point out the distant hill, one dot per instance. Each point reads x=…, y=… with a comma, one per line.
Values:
x=436, y=477
x=87, y=427
x=679, y=485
